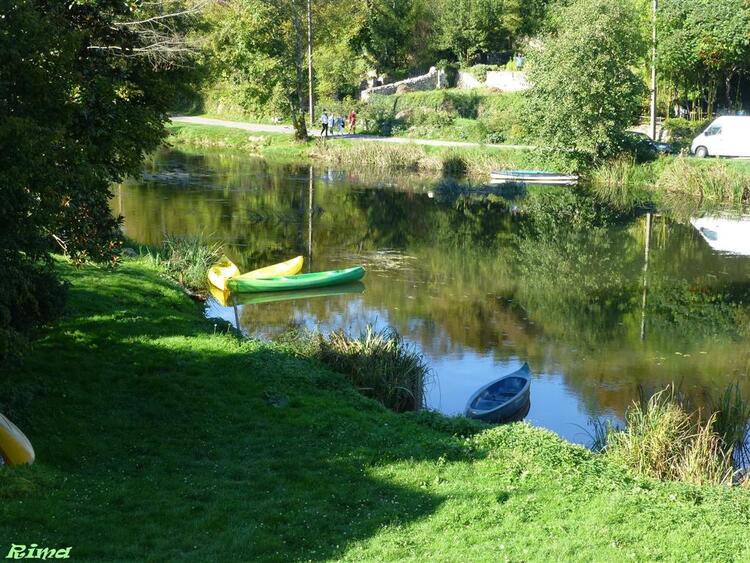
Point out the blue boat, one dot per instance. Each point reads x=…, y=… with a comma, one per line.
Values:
x=501, y=399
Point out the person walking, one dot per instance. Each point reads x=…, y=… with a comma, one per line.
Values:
x=352, y=119
x=324, y=124
x=340, y=124
x=330, y=123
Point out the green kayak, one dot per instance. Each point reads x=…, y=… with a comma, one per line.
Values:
x=299, y=281
x=274, y=296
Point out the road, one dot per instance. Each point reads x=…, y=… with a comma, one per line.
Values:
x=267, y=128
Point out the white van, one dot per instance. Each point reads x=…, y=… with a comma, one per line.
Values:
x=728, y=135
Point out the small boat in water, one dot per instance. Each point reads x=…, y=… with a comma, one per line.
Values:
x=300, y=281
x=501, y=399
x=532, y=177
x=276, y=296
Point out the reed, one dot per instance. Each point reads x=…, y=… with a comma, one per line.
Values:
x=377, y=155
x=187, y=259
x=378, y=363
x=663, y=440
x=732, y=413
x=714, y=181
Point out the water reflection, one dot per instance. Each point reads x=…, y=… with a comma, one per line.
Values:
x=595, y=301
x=725, y=234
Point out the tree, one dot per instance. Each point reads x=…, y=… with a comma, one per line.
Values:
x=704, y=46
x=258, y=48
x=585, y=92
x=471, y=27
x=80, y=102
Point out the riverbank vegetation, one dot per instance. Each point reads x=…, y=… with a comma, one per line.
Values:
x=184, y=423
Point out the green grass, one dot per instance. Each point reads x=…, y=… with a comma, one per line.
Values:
x=160, y=438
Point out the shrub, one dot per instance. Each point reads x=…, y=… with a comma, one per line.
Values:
x=32, y=295
x=682, y=131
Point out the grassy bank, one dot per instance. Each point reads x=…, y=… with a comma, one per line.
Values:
x=474, y=161
x=160, y=438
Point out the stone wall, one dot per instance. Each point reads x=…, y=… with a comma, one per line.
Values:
x=430, y=81
x=507, y=81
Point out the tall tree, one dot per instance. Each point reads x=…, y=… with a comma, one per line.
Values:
x=81, y=100
x=585, y=92
x=258, y=48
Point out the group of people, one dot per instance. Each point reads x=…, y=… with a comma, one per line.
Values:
x=330, y=124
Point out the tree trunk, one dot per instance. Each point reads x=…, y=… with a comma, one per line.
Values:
x=297, y=101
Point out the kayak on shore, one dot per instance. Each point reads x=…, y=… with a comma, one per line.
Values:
x=15, y=448
x=296, y=282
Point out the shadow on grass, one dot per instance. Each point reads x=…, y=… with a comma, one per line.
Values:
x=155, y=441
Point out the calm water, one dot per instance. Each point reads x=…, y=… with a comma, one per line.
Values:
x=598, y=303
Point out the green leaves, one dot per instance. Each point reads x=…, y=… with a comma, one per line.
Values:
x=585, y=92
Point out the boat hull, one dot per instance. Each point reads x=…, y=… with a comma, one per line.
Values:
x=507, y=410
x=532, y=177
x=14, y=445
x=220, y=273
x=297, y=282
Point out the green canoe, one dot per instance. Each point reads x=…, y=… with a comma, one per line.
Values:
x=299, y=281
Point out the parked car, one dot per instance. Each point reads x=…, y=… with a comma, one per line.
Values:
x=728, y=135
x=644, y=148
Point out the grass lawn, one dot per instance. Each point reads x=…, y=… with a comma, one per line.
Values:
x=160, y=438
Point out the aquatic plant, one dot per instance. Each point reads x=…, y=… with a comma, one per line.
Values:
x=708, y=181
x=663, y=440
x=187, y=259
x=377, y=362
x=732, y=414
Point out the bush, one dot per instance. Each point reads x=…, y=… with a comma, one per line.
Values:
x=682, y=131
x=480, y=71
x=32, y=296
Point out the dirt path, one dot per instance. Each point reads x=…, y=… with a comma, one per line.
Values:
x=266, y=128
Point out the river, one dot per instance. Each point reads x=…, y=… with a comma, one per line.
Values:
x=599, y=302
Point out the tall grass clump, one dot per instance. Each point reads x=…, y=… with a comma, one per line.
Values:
x=377, y=155
x=187, y=259
x=732, y=413
x=712, y=181
x=379, y=364
x=623, y=183
x=663, y=440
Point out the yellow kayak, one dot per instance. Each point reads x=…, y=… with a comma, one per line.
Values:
x=14, y=446
x=288, y=268
x=224, y=270
x=219, y=273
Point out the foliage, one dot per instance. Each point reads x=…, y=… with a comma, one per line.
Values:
x=682, y=131
x=585, y=93
x=257, y=47
x=471, y=27
x=75, y=115
x=704, y=46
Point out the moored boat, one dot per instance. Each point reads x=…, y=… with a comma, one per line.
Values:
x=275, y=296
x=532, y=177
x=299, y=281
x=502, y=398
x=219, y=273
